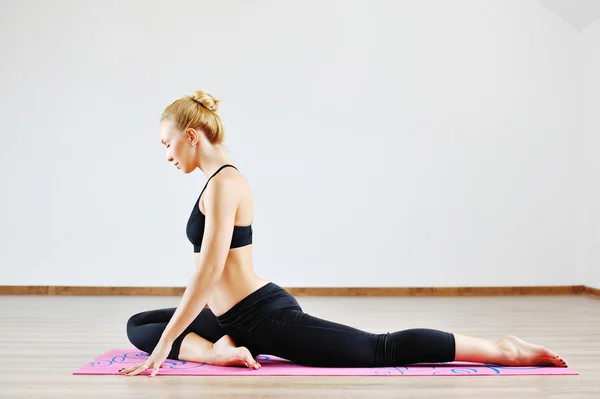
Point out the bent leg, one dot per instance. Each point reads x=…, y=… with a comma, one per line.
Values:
x=144, y=330
x=204, y=341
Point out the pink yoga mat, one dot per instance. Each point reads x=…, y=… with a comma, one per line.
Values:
x=114, y=360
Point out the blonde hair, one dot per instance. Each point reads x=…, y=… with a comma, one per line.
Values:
x=197, y=111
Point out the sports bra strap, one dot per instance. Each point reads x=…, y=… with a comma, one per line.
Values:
x=214, y=174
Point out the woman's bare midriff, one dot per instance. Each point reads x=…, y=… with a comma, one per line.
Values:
x=237, y=281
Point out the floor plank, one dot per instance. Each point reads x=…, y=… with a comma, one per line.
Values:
x=43, y=339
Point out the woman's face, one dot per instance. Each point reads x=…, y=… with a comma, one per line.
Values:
x=180, y=151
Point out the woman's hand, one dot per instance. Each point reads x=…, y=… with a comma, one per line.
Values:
x=154, y=362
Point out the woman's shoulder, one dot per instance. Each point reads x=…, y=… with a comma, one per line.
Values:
x=231, y=180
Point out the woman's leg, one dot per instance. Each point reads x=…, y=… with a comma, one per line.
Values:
x=204, y=341
x=308, y=340
x=304, y=339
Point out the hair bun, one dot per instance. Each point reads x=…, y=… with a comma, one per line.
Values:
x=206, y=100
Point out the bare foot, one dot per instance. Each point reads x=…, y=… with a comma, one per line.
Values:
x=521, y=353
x=225, y=353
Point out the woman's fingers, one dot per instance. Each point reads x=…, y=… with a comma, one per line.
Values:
x=129, y=369
x=135, y=370
x=155, y=371
x=140, y=368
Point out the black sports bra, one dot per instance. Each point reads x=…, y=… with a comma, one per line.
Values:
x=242, y=235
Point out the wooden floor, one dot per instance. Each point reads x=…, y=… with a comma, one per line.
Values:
x=43, y=339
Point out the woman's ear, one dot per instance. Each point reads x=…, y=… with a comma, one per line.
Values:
x=192, y=136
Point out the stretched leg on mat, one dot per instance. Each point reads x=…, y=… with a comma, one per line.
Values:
x=308, y=340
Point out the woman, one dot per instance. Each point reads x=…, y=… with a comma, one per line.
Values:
x=248, y=315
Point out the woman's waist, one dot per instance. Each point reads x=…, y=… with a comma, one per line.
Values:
x=267, y=300
x=231, y=290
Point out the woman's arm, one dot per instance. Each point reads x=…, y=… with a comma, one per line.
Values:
x=220, y=202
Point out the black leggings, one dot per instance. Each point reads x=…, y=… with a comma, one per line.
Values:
x=270, y=321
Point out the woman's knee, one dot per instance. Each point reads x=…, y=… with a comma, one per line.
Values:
x=133, y=330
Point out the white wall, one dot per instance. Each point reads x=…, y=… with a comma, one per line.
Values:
x=591, y=149
x=414, y=143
